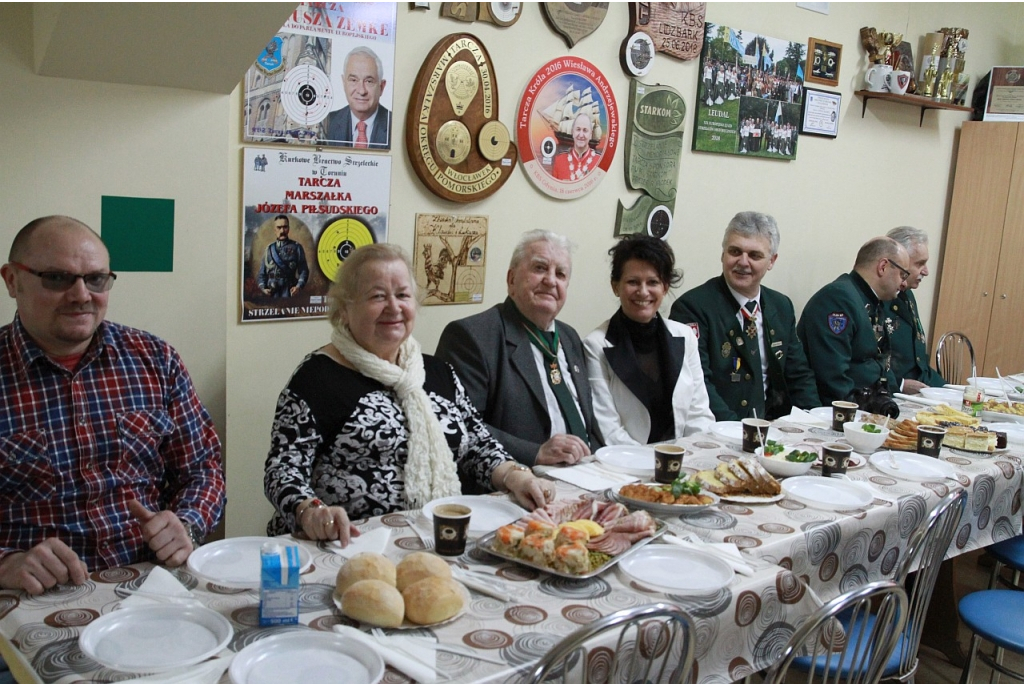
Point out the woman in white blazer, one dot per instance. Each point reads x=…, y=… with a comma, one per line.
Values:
x=645, y=370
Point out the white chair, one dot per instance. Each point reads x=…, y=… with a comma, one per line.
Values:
x=844, y=641
x=951, y=356
x=655, y=645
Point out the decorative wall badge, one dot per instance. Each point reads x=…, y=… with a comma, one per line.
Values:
x=567, y=127
x=637, y=54
x=456, y=144
x=575, y=20
x=449, y=258
x=326, y=71
x=676, y=28
x=749, y=94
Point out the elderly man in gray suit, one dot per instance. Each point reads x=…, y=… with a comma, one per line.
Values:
x=526, y=372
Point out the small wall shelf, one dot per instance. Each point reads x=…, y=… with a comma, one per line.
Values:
x=913, y=100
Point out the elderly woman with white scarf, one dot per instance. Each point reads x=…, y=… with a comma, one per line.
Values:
x=368, y=424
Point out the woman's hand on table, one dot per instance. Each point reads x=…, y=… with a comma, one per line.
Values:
x=528, y=490
x=49, y=563
x=321, y=522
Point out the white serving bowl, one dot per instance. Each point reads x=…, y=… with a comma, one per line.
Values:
x=953, y=398
x=862, y=441
x=777, y=465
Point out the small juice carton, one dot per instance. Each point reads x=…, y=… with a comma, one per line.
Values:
x=279, y=584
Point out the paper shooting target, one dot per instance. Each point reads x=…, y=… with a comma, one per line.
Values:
x=338, y=241
x=306, y=95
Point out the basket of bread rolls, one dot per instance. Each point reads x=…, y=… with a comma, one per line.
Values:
x=418, y=591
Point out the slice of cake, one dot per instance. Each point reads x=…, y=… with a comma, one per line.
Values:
x=980, y=440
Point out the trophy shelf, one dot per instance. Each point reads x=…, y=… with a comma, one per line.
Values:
x=913, y=100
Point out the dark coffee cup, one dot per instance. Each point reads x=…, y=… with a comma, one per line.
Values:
x=668, y=462
x=929, y=440
x=842, y=412
x=451, y=528
x=835, y=457
x=755, y=434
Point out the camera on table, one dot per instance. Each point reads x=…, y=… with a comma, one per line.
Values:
x=875, y=399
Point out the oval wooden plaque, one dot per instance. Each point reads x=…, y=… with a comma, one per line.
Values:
x=466, y=97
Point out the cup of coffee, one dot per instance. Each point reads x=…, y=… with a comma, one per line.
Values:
x=755, y=433
x=843, y=412
x=668, y=462
x=835, y=457
x=451, y=528
x=929, y=440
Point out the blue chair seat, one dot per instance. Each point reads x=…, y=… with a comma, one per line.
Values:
x=995, y=615
x=803, y=663
x=1009, y=552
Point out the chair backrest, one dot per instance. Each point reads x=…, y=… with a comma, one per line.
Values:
x=654, y=645
x=925, y=552
x=952, y=354
x=857, y=654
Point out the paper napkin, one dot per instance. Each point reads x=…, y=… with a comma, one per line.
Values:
x=412, y=657
x=591, y=478
x=375, y=540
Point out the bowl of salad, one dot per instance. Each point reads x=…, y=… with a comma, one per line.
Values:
x=783, y=461
x=865, y=437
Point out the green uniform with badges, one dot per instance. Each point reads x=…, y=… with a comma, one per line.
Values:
x=731, y=358
x=908, y=342
x=845, y=330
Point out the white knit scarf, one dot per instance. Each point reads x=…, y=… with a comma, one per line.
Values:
x=429, y=467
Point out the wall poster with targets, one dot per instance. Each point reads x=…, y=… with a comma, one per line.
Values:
x=329, y=68
x=303, y=213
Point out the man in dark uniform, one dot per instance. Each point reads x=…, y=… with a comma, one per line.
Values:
x=284, y=270
x=752, y=358
x=845, y=328
x=908, y=341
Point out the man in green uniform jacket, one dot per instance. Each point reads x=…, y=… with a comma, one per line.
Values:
x=752, y=358
x=908, y=341
x=844, y=327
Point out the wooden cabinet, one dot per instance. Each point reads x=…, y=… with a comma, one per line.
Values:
x=981, y=281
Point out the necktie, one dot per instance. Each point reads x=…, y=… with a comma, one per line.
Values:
x=547, y=343
x=750, y=311
x=361, y=141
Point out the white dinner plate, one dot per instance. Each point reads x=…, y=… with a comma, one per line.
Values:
x=992, y=384
x=152, y=638
x=827, y=493
x=634, y=460
x=912, y=466
x=953, y=397
x=489, y=513
x=987, y=415
x=856, y=461
x=675, y=570
x=235, y=562
x=732, y=431
x=825, y=414
x=306, y=656
x=754, y=499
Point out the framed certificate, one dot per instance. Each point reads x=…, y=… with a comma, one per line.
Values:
x=820, y=115
x=823, y=60
x=1005, y=98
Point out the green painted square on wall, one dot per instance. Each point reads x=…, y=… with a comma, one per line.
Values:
x=139, y=232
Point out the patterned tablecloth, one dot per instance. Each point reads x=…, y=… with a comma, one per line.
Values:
x=739, y=627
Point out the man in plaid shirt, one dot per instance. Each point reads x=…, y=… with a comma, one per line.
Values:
x=107, y=456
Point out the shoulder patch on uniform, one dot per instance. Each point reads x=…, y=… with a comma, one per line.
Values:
x=837, y=322
x=695, y=328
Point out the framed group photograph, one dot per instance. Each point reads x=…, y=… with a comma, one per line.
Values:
x=823, y=60
x=820, y=116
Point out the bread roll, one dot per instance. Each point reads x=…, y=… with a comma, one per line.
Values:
x=420, y=565
x=364, y=566
x=432, y=600
x=375, y=602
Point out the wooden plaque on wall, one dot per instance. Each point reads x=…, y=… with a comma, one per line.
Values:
x=677, y=28
x=575, y=20
x=456, y=144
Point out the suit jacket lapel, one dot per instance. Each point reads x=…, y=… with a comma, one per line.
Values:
x=379, y=135
x=734, y=331
x=622, y=358
x=675, y=353
x=520, y=352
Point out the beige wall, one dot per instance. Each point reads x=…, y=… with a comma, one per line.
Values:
x=68, y=142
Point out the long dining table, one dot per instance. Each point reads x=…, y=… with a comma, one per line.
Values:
x=800, y=556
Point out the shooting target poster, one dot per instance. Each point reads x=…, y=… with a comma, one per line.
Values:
x=449, y=258
x=326, y=78
x=303, y=213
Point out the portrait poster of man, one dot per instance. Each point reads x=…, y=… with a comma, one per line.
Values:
x=303, y=213
x=449, y=258
x=326, y=78
x=749, y=94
